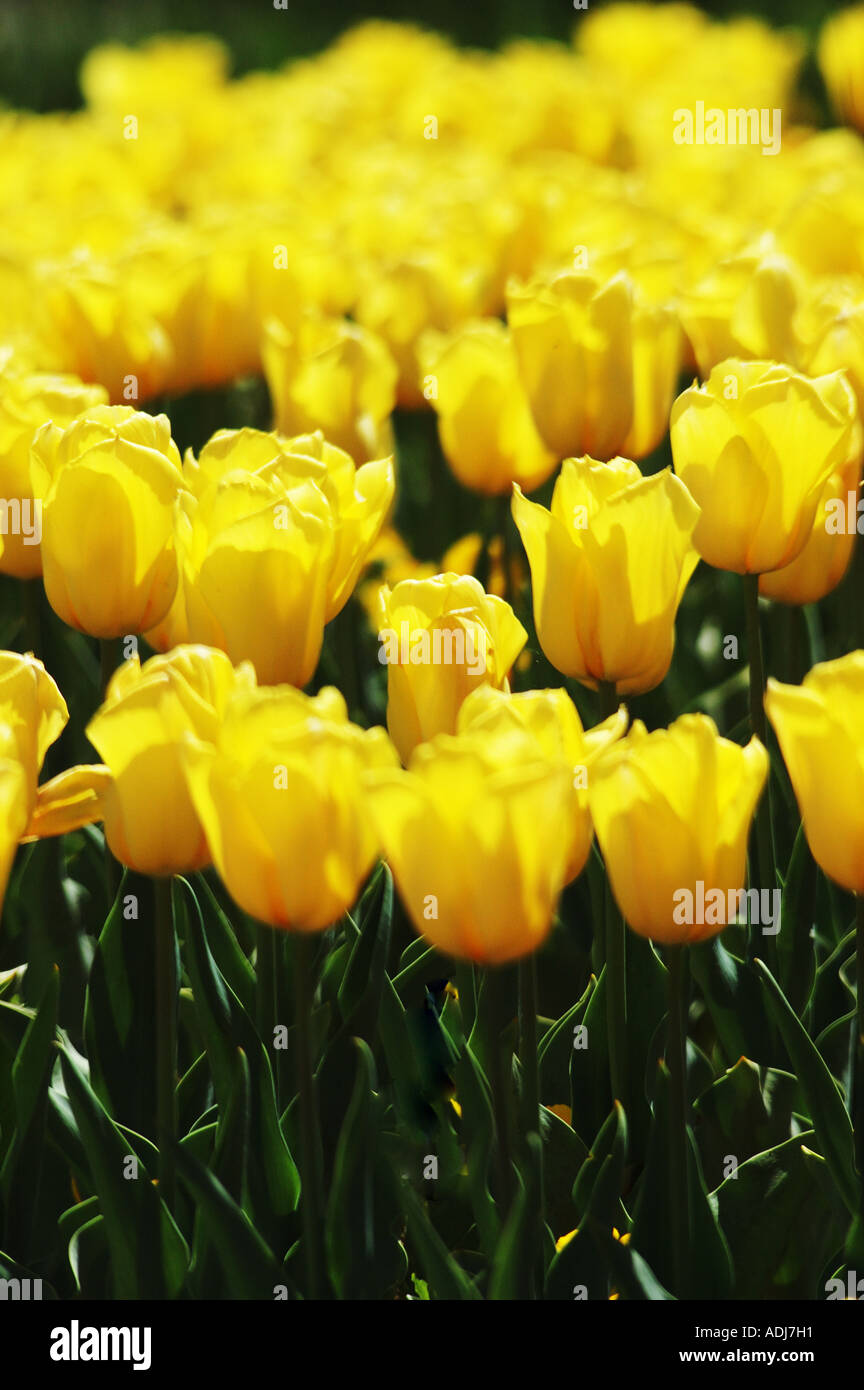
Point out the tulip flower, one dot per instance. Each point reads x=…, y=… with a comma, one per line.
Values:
x=609, y=564
x=272, y=538
x=820, y=729
x=551, y=718
x=840, y=47
x=478, y=834
x=112, y=480
x=756, y=445
x=150, y=822
x=440, y=639
x=13, y=808
x=279, y=792
x=827, y=552
x=27, y=400
x=485, y=425
x=599, y=367
x=672, y=812
x=332, y=375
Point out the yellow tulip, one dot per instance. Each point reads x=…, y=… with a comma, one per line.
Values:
x=272, y=539
x=440, y=639
x=609, y=564
x=551, y=718
x=756, y=445
x=33, y=714
x=485, y=425
x=150, y=821
x=13, y=812
x=820, y=729
x=745, y=307
x=841, y=45
x=478, y=835
x=599, y=367
x=827, y=552
x=27, y=400
x=332, y=375
x=112, y=480
x=672, y=811
x=280, y=795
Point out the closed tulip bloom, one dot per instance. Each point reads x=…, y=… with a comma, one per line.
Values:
x=440, y=639
x=478, y=835
x=273, y=537
x=551, y=718
x=756, y=445
x=332, y=375
x=112, y=482
x=599, y=367
x=610, y=561
x=672, y=812
x=27, y=400
x=820, y=729
x=828, y=551
x=150, y=822
x=487, y=432
x=280, y=795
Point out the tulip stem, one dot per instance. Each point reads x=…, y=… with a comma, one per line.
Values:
x=311, y=1194
x=499, y=1069
x=109, y=660
x=676, y=1061
x=616, y=954
x=166, y=1038
x=531, y=1097
x=858, y=1055
x=31, y=599
x=266, y=997
x=767, y=873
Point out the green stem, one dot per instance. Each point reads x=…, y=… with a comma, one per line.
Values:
x=110, y=649
x=858, y=1068
x=31, y=602
x=312, y=1195
x=766, y=873
x=266, y=998
x=499, y=1069
x=467, y=990
x=531, y=1102
x=166, y=1038
x=676, y=1045
x=616, y=955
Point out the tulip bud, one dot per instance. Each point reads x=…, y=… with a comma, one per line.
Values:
x=280, y=795
x=820, y=729
x=672, y=812
x=440, y=639
x=112, y=480
x=756, y=445
x=609, y=564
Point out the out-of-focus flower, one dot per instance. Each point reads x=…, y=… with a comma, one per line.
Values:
x=272, y=538
x=280, y=794
x=609, y=564
x=551, y=718
x=756, y=445
x=27, y=401
x=506, y=573
x=598, y=365
x=478, y=835
x=150, y=822
x=841, y=46
x=389, y=562
x=485, y=425
x=672, y=812
x=820, y=729
x=111, y=482
x=745, y=307
x=332, y=375
x=440, y=639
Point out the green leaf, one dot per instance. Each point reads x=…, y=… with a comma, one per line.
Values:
x=362, y=984
x=22, y=1165
x=515, y=1266
x=796, y=962
x=747, y=1110
x=827, y=1112
x=148, y=1254
x=444, y=1277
